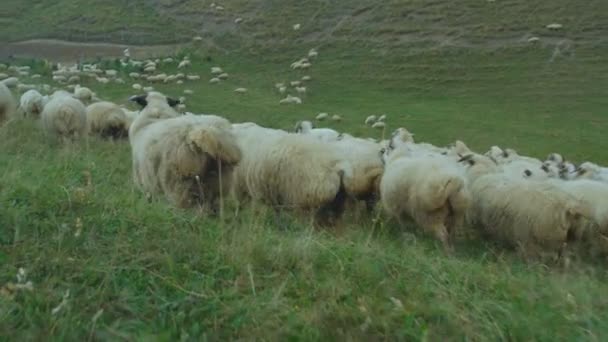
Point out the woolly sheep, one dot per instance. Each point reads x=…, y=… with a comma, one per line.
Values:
x=306, y=78
x=214, y=80
x=107, y=120
x=301, y=90
x=336, y=117
x=296, y=27
x=188, y=92
x=136, y=86
x=3, y=76
x=431, y=191
x=83, y=94
x=223, y=76
x=240, y=90
x=379, y=125
x=187, y=158
x=7, y=103
x=193, y=77
x=184, y=64
x=216, y=70
x=589, y=170
x=292, y=171
x=11, y=82
x=134, y=75
x=313, y=53
x=64, y=117
x=31, y=103
x=537, y=218
x=370, y=120
x=238, y=20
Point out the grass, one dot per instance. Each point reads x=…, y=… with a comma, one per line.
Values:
x=138, y=270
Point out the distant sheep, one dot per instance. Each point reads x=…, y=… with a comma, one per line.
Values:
x=187, y=158
x=64, y=117
x=322, y=134
x=83, y=94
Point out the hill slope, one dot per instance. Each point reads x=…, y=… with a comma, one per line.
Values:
x=391, y=23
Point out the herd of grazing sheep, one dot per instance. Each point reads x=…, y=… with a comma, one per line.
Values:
x=542, y=209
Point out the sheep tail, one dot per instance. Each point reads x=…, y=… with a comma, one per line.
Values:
x=218, y=143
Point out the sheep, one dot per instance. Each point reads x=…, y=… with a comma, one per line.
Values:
x=214, y=80
x=312, y=53
x=240, y=90
x=336, y=118
x=282, y=90
x=168, y=60
x=593, y=195
x=367, y=167
x=107, y=120
x=31, y=103
x=83, y=94
x=187, y=158
x=3, y=76
x=431, y=191
x=197, y=39
x=589, y=170
x=11, y=82
x=136, y=86
x=134, y=75
x=223, y=76
x=291, y=100
x=306, y=78
x=301, y=90
x=193, y=77
x=216, y=70
x=25, y=87
x=7, y=103
x=536, y=218
x=379, y=125
x=188, y=92
x=238, y=20
x=291, y=171
x=184, y=64
x=148, y=89
x=295, y=83
x=64, y=117
x=370, y=120
x=296, y=27
x=322, y=116
x=322, y=134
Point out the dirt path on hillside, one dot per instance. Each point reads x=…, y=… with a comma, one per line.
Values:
x=70, y=52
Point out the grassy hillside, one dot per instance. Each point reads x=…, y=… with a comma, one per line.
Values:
x=138, y=270
x=267, y=23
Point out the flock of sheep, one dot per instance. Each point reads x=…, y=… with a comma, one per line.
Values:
x=541, y=208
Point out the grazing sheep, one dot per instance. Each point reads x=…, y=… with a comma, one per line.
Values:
x=193, y=77
x=322, y=134
x=313, y=53
x=184, y=64
x=295, y=83
x=107, y=120
x=7, y=103
x=214, y=80
x=336, y=117
x=3, y=76
x=83, y=94
x=431, y=191
x=31, y=103
x=136, y=86
x=322, y=116
x=64, y=117
x=240, y=90
x=306, y=78
x=223, y=76
x=301, y=90
x=216, y=70
x=534, y=217
x=370, y=120
x=291, y=100
x=238, y=20
x=296, y=27
x=188, y=92
x=379, y=125
x=187, y=158
x=11, y=82
x=291, y=171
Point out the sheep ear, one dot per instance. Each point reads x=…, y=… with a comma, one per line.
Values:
x=528, y=173
x=172, y=102
x=465, y=158
x=139, y=99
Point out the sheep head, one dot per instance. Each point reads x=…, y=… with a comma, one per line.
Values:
x=143, y=100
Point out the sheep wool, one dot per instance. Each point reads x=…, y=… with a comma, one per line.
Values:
x=64, y=117
x=431, y=191
x=31, y=103
x=187, y=158
x=107, y=120
x=7, y=103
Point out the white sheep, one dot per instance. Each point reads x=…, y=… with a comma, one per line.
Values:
x=433, y=192
x=11, y=82
x=107, y=120
x=136, y=86
x=214, y=80
x=240, y=90
x=7, y=103
x=31, y=103
x=322, y=134
x=187, y=158
x=534, y=217
x=188, y=92
x=238, y=20
x=306, y=78
x=291, y=100
x=83, y=94
x=370, y=120
x=589, y=170
x=64, y=117
x=379, y=125
x=216, y=70
x=336, y=117
x=223, y=76
x=301, y=90
x=291, y=171
x=184, y=64
x=193, y=77
x=322, y=116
